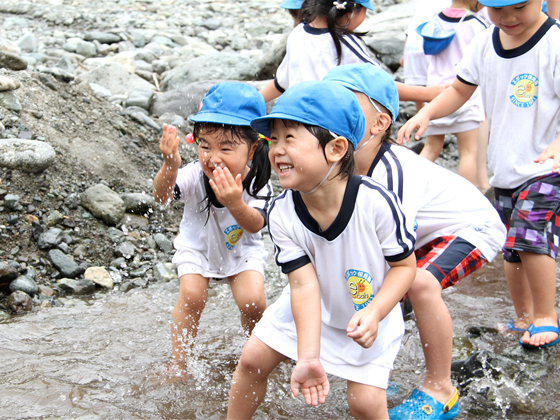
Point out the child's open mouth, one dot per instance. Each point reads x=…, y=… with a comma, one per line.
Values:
x=284, y=169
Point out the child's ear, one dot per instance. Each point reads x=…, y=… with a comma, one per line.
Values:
x=381, y=124
x=253, y=148
x=336, y=149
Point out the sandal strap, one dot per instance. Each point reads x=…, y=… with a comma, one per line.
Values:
x=452, y=401
x=537, y=330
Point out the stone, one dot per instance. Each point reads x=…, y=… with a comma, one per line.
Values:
x=11, y=200
x=183, y=101
x=125, y=250
x=19, y=301
x=53, y=218
x=84, y=287
x=66, y=265
x=115, y=78
x=103, y=203
x=10, y=101
x=102, y=37
x=28, y=42
x=12, y=61
x=26, y=155
x=7, y=273
x=85, y=48
x=100, y=276
x=7, y=83
x=165, y=271
x=134, y=221
x=58, y=73
x=24, y=284
x=138, y=203
x=50, y=239
x=45, y=290
x=163, y=242
x=140, y=97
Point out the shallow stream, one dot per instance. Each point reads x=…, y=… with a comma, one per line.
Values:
x=105, y=357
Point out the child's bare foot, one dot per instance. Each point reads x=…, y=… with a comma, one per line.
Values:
x=173, y=373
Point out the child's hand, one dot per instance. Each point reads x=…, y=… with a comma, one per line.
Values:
x=228, y=190
x=363, y=328
x=169, y=146
x=551, y=152
x=418, y=122
x=310, y=375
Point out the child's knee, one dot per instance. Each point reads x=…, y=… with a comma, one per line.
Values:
x=249, y=362
x=425, y=286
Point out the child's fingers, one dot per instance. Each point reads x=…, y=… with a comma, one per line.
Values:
x=354, y=322
x=294, y=386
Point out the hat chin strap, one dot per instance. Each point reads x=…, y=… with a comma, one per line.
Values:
x=363, y=145
x=324, y=179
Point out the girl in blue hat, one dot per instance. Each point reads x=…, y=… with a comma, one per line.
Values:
x=226, y=194
x=347, y=250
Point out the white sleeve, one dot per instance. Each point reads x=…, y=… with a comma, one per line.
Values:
x=468, y=68
x=187, y=177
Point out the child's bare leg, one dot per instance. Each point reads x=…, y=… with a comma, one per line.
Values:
x=541, y=275
x=248, y=386
x=367, y=402
x=193, y=293
x=520, y=293
x=467, y=142
x=436, y=334
x=433, y=147
x=481, y=158
x=247, y=288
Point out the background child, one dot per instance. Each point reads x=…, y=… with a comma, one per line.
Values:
x=335, y=235
x=441, y=69
x=457, y=229
x=294, y=8
x=510, y=63
x=225, y=208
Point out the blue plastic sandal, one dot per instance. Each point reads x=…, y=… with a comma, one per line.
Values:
x=535, y=330
x=510, y=325
x=420, y=406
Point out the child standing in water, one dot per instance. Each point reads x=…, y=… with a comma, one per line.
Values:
x=457, y=230
x=511, y=63
x=343, y=241
x=225, y=208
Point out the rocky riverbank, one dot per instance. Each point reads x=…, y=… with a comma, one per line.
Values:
x=84, y=92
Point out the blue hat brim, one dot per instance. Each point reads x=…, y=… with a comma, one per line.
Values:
x=367, y=4
x=500, y=3
x=291, y=4
x=219, y=118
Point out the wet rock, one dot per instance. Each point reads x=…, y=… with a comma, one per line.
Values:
x=10, y=101
x=134, y=221
x=140, y=97
x=227, y=66
x=138, y=203
x=24, y=284
x=12, y=61
x=19, y=301
x=125, y=250
x=7, y=83
x=163, y=242
x=66, y=265
x=100, y=276
x=127, y=286
x=165, y=271
x=7, y=273
x=45, y=290
x=26, y=155
x=103, y=203
x=84, y=287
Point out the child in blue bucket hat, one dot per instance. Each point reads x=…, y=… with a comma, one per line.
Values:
x=347, y=250
x=457, y=230
x=516, y=65
x=226, y=194
x=294, y=8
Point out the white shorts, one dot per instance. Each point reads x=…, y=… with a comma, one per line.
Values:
x=183, y=260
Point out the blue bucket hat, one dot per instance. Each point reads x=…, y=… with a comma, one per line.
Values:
x=291, y=4
x=371, y=80
x=366, y=3
x=436, y=39
x=231, y=103
x=500, y=3
x=325, y=104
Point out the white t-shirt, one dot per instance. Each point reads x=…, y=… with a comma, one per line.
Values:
x=350, y=261
x=311, y=53
x=441, y=202
x=215, y=241
x=523, y=118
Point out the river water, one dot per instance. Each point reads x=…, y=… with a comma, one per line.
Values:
x=106, y=357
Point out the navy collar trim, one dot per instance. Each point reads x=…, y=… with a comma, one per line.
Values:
x=314, y=31
x=522, y=49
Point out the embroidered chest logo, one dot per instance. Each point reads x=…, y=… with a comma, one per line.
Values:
x=524, y=90
x=233, y=235
x=359, y=285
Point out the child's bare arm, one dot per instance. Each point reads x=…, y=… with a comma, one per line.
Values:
x=306, y=308
x=551, y=152
x=447, y=102
x=364, y=324
x=270, y=92
x=164, y=181
x=229, y=192
x=419, y=93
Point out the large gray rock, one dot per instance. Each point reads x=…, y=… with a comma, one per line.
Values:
x=138, y=203
x=165, y=271
x=103, y=203
x=225, y=65
x=26, y=155
x=116, y=78
x=140, y=97
x=7, y=273
x=163, y=242
x=12, y=61
x=66, y=265
x=24, y=284
x=184, y=101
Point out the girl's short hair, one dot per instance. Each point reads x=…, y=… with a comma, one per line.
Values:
x=313, y=9
x=259, y=173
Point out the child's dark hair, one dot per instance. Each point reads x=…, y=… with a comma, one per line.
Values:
x=313, y=9
x=324, y=136
x=258, y=175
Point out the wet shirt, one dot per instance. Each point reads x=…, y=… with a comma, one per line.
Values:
x=521, y=93
x=213, y=236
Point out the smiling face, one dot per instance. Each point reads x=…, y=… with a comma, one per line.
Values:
x=220, y=149
x=519, y=20
x=296, y=156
